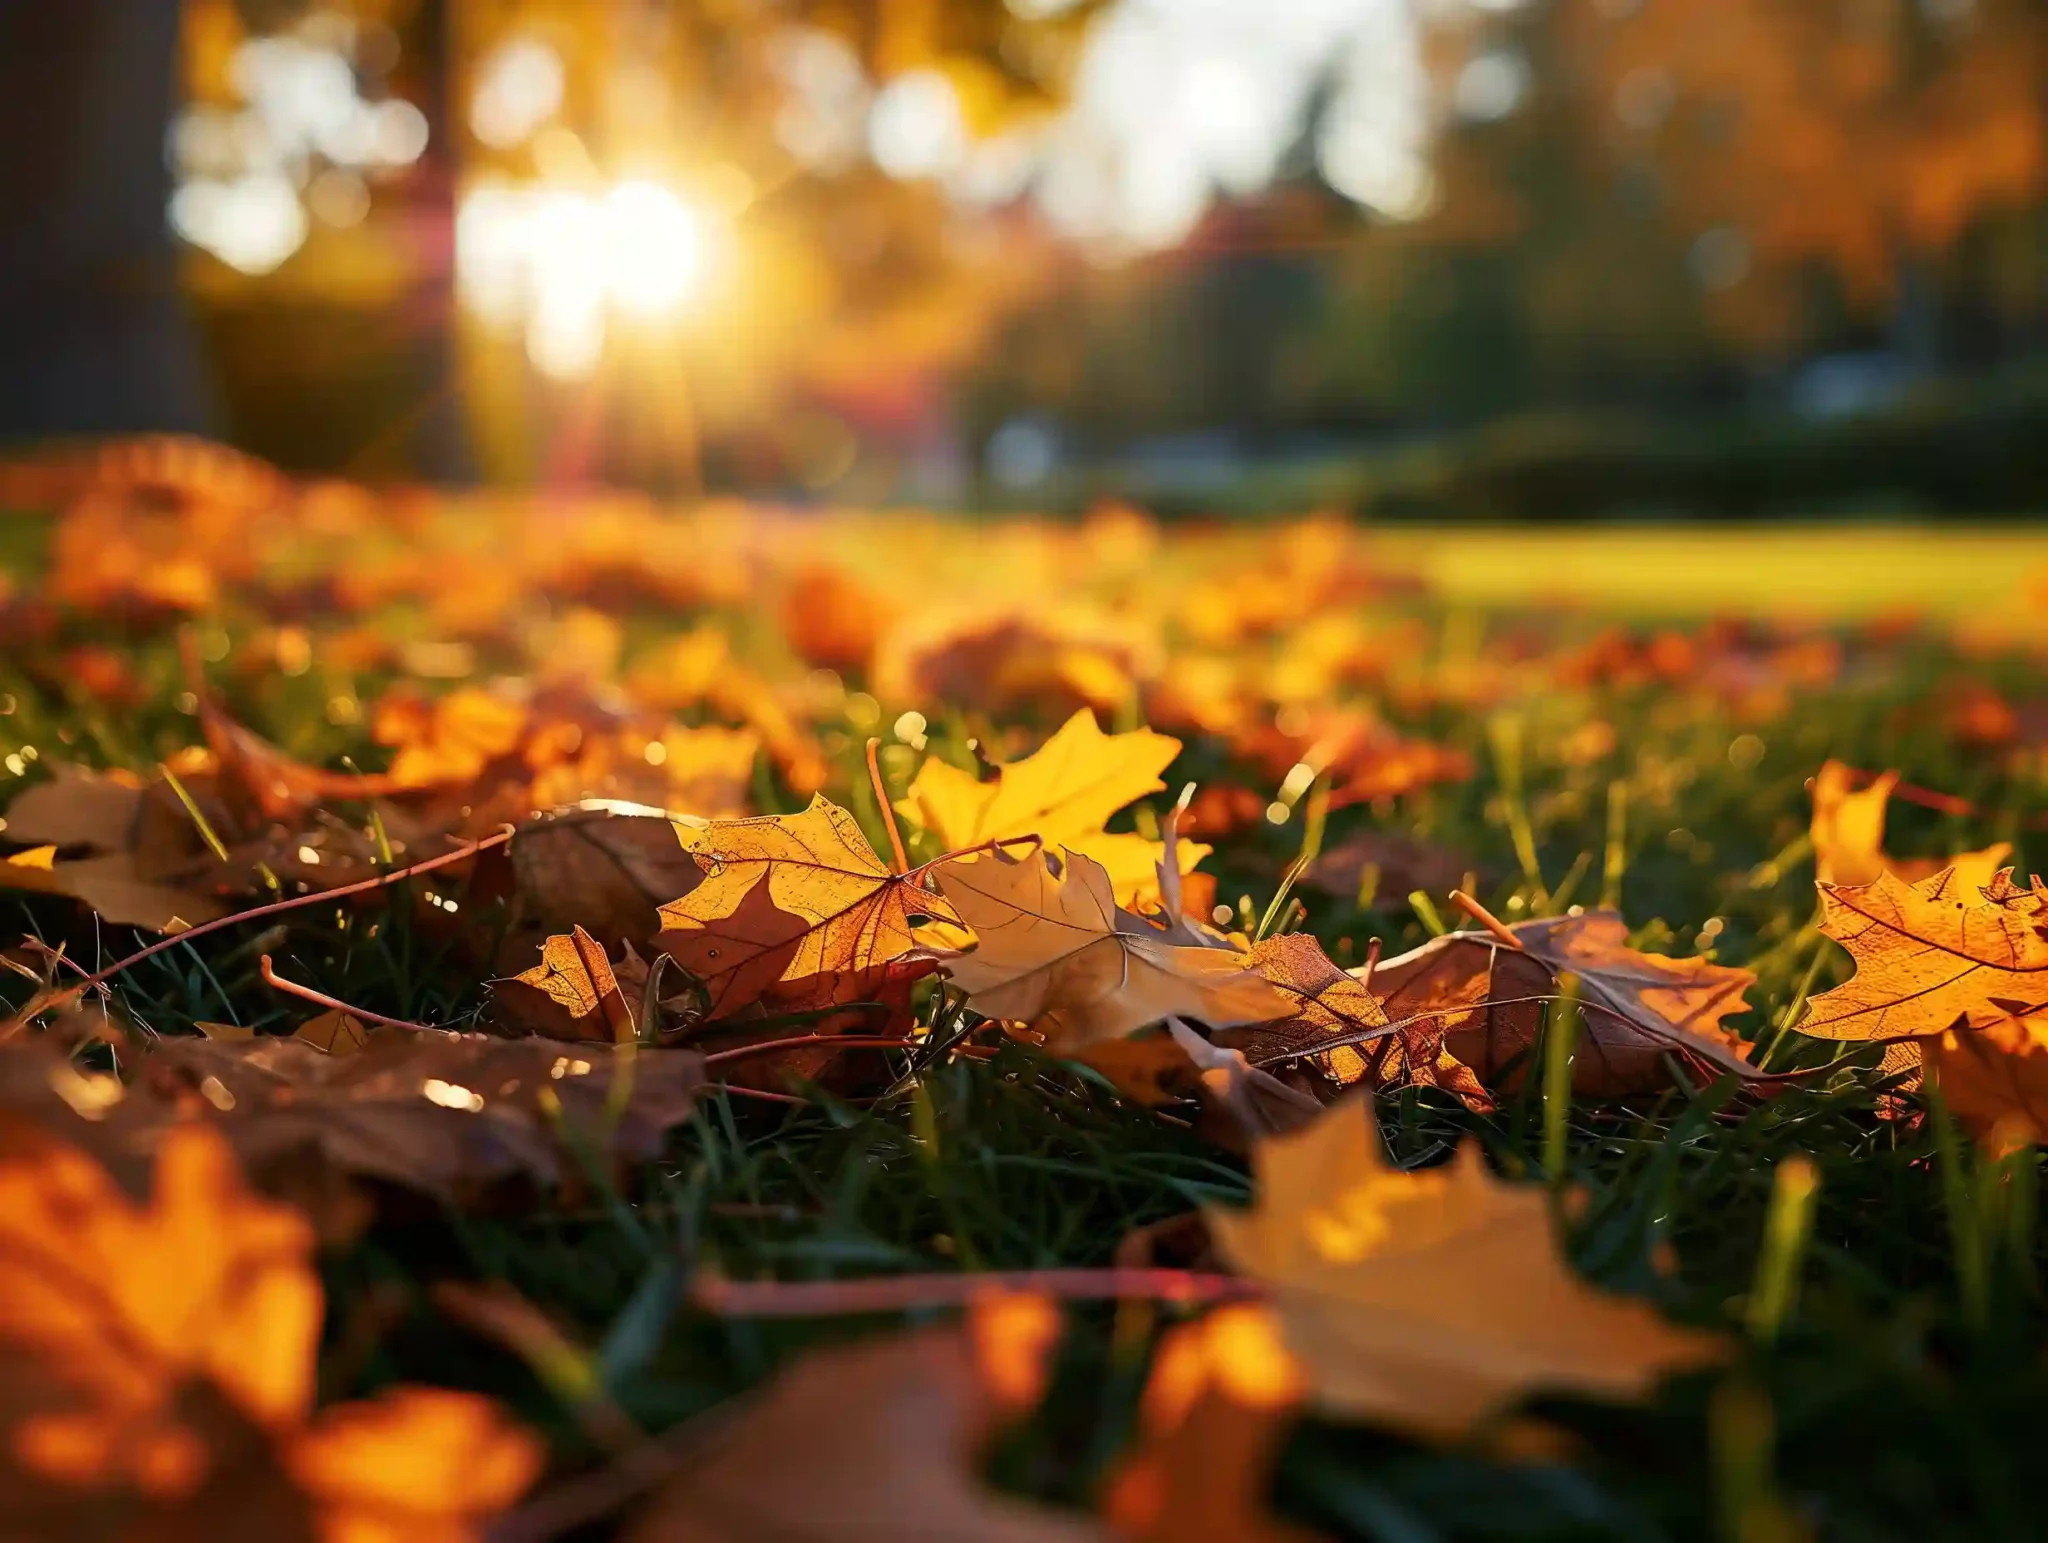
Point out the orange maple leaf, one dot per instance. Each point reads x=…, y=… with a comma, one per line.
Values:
x=573, y=993
x=795, y=911
x=1930, y=956
x=164, y=1354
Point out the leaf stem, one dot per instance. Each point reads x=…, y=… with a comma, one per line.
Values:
x=800, y=1041
x=314, y=897
x=907, y=1293
x=882, y=802
x=1486, y=919
x=292, y=988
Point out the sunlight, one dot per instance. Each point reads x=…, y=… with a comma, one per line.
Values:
x=562, y=263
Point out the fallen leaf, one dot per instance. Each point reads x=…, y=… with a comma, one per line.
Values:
x=333, y=1032
x=608, y=873
x=1216, y=1409
x=1327, y=1004
x=795, y=912
x=1994, y=1079
x=1848, y=826
x=1635, y=1008
x=1396, y=865
x=1239, y=1101
x=1054, y=950
x=157, y=1360
x=1150, y=1070
x=448, y=741
x=1053, y=659
x=1063, y=793
x=447, y=1114
x=1930, y=957
x=873, y=1440
x=1674, y=1004
x=111, y=887
x=1431, y=1300
x=76, y=807
x=573, y=993
x=1848, y=836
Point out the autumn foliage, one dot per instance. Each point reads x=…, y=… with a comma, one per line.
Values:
x=565, y=914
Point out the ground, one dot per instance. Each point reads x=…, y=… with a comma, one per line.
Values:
x=1616, y=742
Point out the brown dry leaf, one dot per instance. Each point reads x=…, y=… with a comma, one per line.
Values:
x=103, y=814
x=140, y=859
x=1239, y=1101
x=1635, y=1008
x=157, y=1360
x=877, y=1440
x=448, y=1114
x=1215, y=1412
x=1995, y=1079
x=1431, y=1300
x=1150, y=1070
x=1848, y=835
x=76, y=808
x=333, y=1032
x=1397, y=865
x=281, y=789
x=1930, y=957
x=1328, y=1003
x=1054, y=950
x=607, y=873
x=1487, y=1000
x=1053, y=658
x=1064, y=792
x=795, y=912
x=111, y=887
x=573, y=993
x=1674, y=1004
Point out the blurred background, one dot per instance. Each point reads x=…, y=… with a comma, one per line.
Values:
x=1490, y=259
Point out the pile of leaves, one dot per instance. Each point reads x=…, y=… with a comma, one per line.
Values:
x=533, y=1018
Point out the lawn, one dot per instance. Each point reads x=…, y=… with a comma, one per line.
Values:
x=1539, y=721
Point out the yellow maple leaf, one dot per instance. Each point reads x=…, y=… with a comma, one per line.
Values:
x=1063, y=793
x=796, y=908
x=573, y=993
x=113, y=1312
x=1434, y=1299
x=1848, y=836
x=1930, y=956
x=1053, y=949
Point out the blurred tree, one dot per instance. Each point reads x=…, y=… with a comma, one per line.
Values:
x=1864, y=135
x=95, y=336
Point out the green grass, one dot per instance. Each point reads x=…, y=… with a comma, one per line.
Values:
x=1899, y=1401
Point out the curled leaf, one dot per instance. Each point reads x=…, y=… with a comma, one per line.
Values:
x=1054, y=950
